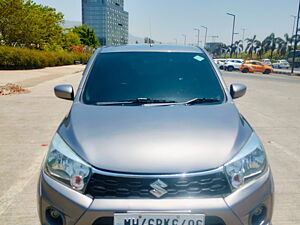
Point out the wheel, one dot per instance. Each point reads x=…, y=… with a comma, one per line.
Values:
x=245, y=70
x=221, y=67
x=230, y=68
x=267, y=71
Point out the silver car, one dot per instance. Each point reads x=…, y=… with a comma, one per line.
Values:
x=154, y=138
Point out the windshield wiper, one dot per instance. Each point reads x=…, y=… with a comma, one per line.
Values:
x=138, y=101
x=193, y=101
x=196, y=101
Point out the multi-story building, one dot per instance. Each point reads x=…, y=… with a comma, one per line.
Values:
x=109, y=20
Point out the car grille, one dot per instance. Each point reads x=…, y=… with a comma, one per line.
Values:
x=209, y=220
x=102, y=186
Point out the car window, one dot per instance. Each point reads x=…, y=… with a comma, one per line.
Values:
x=156, y=75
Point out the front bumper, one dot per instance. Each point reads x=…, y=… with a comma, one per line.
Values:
x=78, y=209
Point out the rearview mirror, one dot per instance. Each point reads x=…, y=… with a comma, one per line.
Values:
x=65, y=91
x=237, y=90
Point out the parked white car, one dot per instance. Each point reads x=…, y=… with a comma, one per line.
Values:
x=267, y=62
x=281, y=64
x=220, y=63
x=233, y=64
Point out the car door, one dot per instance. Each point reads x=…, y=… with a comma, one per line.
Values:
x=259, y=67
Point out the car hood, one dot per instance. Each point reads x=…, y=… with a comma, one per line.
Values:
x=164, y=139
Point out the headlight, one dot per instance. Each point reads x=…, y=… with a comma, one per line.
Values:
x=65, y=166
x=247, y=164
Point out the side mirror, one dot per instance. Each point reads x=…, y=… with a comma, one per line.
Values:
x=237, y=90
x=65, y=91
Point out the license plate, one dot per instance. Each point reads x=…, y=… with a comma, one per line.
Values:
x=158, y=219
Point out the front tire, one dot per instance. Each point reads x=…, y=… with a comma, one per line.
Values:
x=230, y=68
x=267, y=71
x=245, y=70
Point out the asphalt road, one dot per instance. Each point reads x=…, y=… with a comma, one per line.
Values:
x=28, y=121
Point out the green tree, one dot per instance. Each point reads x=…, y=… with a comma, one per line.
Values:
x=26, y=24
x=69, y=39
x=87, y=36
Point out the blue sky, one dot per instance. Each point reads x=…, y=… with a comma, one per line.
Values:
x=170, y=19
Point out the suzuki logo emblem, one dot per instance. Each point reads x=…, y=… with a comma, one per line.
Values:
x=158, y=188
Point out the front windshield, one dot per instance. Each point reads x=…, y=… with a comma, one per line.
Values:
x=168, y=76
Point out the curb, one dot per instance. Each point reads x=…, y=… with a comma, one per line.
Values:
x=286, y=73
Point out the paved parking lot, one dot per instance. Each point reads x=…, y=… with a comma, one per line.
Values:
x=28, y=121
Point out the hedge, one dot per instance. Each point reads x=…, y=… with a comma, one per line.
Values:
x=20, y=58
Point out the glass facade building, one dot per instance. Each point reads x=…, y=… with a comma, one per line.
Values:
x=109, y=20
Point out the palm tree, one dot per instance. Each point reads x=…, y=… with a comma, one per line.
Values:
x=258, y=48
x=251, y=45
x=270, y=43
x=226, y=49
x=295, y=39
x=284, y=45
x=280, y=44
x=290, y=41
x=238, y=47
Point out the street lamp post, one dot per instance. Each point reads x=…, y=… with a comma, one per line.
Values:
x=232, y=32
x=243, y=29
x=198, y=40
x=184, y=35
x=296, y=37
x=205, y=34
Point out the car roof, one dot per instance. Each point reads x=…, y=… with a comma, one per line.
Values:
x=252, y=60
x=150, y=48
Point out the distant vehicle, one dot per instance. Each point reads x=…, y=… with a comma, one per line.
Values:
x=267, y=62
x=256, y=66
x=233, y=64
x=297, y=59
x=281, y=64
x=220, y=63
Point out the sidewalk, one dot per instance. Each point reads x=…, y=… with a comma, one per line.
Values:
x=30, y=78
